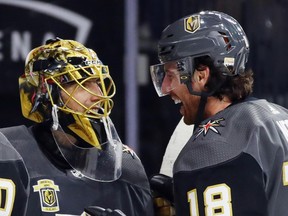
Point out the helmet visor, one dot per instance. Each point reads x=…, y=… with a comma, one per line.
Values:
x=169, y=75
x=97, y=164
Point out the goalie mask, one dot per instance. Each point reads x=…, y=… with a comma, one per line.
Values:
x=54, y=74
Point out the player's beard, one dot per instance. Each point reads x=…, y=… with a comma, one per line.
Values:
x=189, y=109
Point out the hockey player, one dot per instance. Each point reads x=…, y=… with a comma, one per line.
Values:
x=236, y=161
x=72, y=159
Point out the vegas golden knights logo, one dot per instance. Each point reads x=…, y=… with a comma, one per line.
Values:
x=48, y=196
x=192, y=23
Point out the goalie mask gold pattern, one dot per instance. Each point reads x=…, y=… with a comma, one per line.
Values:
x=49, y=68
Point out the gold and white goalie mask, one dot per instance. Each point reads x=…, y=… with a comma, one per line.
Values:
x=66, y=83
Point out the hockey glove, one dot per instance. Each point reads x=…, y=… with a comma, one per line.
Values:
x=162, y=189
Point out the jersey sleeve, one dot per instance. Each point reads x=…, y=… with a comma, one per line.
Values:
x=14, y=181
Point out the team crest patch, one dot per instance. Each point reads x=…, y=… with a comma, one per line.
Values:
x=211, y=125
x=192, y=23
x=48, y=195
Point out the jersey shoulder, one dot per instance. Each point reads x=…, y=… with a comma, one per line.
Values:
x=133, y=170
x=227, y=134
x=7, y=150
x=14, y=178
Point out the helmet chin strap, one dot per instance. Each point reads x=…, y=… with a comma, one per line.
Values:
x=200, y=111
x=203, y=101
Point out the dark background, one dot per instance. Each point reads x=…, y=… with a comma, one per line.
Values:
x=265, y=23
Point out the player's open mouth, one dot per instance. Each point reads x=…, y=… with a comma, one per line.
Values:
x=94, y=110
x=176, y=100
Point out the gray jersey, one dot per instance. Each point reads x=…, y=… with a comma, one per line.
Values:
x=236, y=163
x=31, y=184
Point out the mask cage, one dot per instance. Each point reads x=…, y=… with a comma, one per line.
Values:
x=80, y=76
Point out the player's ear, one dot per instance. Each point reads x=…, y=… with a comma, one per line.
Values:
x=201, y=76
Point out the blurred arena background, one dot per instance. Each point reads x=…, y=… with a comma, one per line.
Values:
x=124, y=33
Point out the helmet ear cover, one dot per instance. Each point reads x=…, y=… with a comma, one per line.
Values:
x=35, y=100
x=185, y=67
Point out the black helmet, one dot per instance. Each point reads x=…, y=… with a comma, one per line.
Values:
x=211, y=33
